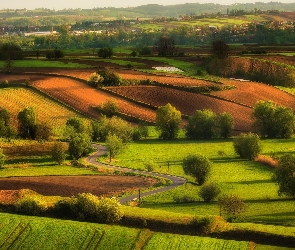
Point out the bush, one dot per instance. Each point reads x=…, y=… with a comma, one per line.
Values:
x=5, y=84
x=110, y=78
x=109, y=108
x=232, y=207
x=30, y=206
x=197, y=166
x=58, y=152
x=95, y=80
x=247, y=146
x=209, y=192
x=149, y=166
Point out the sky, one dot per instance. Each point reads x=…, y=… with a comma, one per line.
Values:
x=89, y=4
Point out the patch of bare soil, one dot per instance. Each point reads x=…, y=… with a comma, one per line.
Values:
x=67, y=186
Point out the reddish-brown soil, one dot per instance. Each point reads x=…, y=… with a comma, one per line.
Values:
x=187, y=102
x=67, y=186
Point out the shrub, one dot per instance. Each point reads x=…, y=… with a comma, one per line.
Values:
x=209, y=192
x=149, y=166
x=5, y=84
x=95, y=80
x=232, y=207
x=30, y=206
x=197, y=166
x=58, y=152
x=109, y=108
x=110, y=78
x=206, y=225
x=247, y=146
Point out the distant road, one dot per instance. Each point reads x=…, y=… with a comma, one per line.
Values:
x=101, y=150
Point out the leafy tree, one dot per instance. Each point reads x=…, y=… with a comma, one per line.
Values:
x=203, y=124
x=2, y=158
x=197, y=166
x=143, y=129
x=225, y=124
x=95, y=80
x=220, y=49
x=10, y=51
x=166, y=46
x=116, y=126
x=272, y=120
x=285, y=175
x=5, y=116
x=247, y=146
x=54, y=54
x=232, y=206
x=43, y=131
x=209, y=192
x=27, y=121
x=79, y=145
x=105, y=52
x=145, y=51
x=77, y=124
x=109, y=108
x=168, y=120
x=58, y=152
x=110, y=78
x=114, y=145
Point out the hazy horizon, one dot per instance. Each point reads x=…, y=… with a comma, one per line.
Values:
x=89, y=4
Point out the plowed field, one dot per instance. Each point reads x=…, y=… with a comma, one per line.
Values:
x=250, y=92
x=72, y=185
x=84, y=98
x=187, y=102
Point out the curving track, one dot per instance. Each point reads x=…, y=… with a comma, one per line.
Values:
x=101, y=150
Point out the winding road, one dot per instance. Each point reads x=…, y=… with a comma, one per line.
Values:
x=101, y=150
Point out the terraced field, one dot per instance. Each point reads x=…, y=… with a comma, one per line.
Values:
x=187, y=102
x=85, y=98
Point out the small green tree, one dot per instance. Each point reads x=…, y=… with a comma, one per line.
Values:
x=168, y=121
x=225, y=124
x=220, y=49
x=77, y=124
x=109, y=108
x=285, y=175
x=5, y=116
x=232, y=206
x=247, y=146
x=105, y=52
x=58, y=152
x=209, y=191
x=197, y=166
x=203, y=124
x=43, y=131
x=79, y=145
x=2, y=158
x=110, y=78
x=114, y=145
x=27, y=121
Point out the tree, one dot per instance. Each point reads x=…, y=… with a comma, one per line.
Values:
x=272, y=120
x=5, y=116
x=79, y=145
x=209, y=192
x=116, y=126
x=58, y=152
x=168, y=121
x=27, y=121
x=285, y=175
x=109, y=108
x=232, y=206
x=2, y=158
x=110, y=78
x=114, y=145
x=197, y=166
x=95, y=80
x=203, y=124
x=77, y=124
x=105, y=52
x=43, y=131
x=10, y=51
x=225, y=124
x=166, y=46
x=247, y=146
x=220, y=49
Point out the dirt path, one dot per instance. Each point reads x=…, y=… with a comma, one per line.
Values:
x=176, y=181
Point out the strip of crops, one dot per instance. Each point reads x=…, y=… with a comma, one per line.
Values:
x=16, y=99
x=250, y=92
x=21, y=232
x=84, y=97
x=187, y=102
x=164, y=241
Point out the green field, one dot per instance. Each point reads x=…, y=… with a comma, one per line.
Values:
x=44, y=64
x=24, y=232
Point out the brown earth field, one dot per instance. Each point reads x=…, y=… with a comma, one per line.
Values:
x=67, y=186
